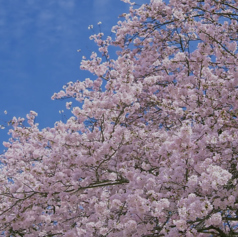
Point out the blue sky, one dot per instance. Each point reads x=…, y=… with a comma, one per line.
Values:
x=38, y=51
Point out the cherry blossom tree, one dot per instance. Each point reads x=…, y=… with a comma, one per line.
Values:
x=152, y=146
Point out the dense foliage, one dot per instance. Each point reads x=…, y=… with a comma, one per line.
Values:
x=152, y=146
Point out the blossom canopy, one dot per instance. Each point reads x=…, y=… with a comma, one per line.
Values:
x=152, y=146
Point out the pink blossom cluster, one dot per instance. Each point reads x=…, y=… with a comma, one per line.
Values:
x=151, y=148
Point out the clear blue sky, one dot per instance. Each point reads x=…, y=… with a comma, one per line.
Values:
x=39, y=40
